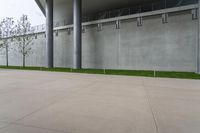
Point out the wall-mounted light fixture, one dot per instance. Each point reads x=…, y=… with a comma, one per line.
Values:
x=83, y=29
x=194, y=14
x=99, y=27
x=118, y=24
x=165, y=18
x=56, y=32
x=68, y=31
x=139, y=21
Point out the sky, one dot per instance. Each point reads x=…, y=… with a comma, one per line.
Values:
x=15, y=9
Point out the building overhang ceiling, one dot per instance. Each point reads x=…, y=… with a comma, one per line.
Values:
x=89, y=6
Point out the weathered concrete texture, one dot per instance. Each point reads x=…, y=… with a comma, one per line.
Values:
x=153, y=46
x=159, y=46
x=2, y=125
x=63, y=49
x=2, y=57
x=38, y=56
x=46, y=102
x=100, y=48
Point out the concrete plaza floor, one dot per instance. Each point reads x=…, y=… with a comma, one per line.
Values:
x=49, y=102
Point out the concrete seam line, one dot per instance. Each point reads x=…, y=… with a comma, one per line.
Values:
x=151, y=108
x=60, y=131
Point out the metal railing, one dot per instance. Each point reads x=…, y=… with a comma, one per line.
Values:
x=39, y=28
x=162, y=4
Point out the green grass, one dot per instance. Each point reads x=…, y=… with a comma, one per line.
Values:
x=162, y=74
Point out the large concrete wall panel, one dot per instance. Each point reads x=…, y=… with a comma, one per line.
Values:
x=157, y=46
x=100, y=47
x=181, y=34
x=2, y=57
x=63, y=49
x=38, y=55
x=14, y=57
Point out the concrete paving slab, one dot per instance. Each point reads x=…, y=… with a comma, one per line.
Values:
x=176, y=110
x=49, y=102
x=172, y=83
x=92, y=112
x=2, y=125
x=25, y=129
x=22, y=102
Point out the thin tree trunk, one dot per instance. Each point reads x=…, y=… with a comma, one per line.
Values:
x=7, y=55
x=23, y=52
x=24, y=61
x=23, y=56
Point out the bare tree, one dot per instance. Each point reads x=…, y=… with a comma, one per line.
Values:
x=24, y=37
x=6, y=31
x=1, y=42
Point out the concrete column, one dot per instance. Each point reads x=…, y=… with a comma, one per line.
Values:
x=198, y=45
x=77, y=34
x=49, y=32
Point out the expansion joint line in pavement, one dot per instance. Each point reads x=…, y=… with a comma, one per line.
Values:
x=47, y=129
x=52, y=103
x=15, y=122
x=151, y=107
x=7, y=124
x=39, y=109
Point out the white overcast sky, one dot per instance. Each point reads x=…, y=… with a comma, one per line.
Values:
x=15, y=9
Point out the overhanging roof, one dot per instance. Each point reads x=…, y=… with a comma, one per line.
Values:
x=41, y=6
x=96, y=5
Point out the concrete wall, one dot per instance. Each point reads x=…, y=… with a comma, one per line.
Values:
x=153, y=46
x=160, y=46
